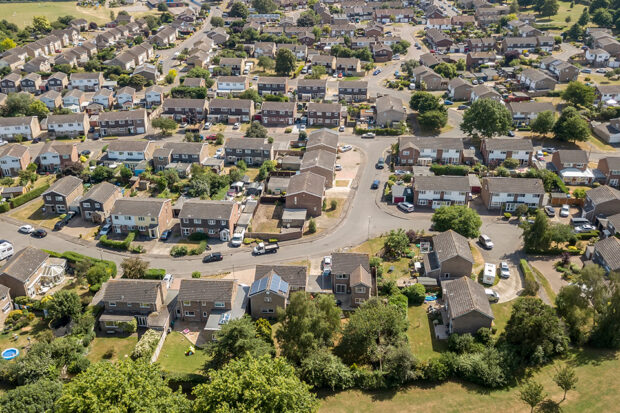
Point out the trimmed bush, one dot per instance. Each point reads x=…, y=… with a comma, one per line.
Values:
x=146, y=345
x=4, y=207
x=199, y=249
x=416, y=294
x=154, y=274
x=530, y=286
x=74, y=257
x=118, y=245
x=458, y=170
x=196, y=274
x=507, y=215
x=197, y=236
x=178, y=251
x=587, y=235
x=28, y=196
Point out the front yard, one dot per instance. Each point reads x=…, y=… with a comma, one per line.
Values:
x=33, y=214
x=267, y=218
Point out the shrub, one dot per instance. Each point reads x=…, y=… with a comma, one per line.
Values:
x=197, y=236
x=458, y=170
x=79, y=365
x=146, y=345
x=416, y=293
x=199, y=249
x=196, y=274
x=138, y=249
x=587, y=235
x=507, y=215
x=312, y=226
x=530, y=286
x=118, y=245
x=178, y=251
x=4, y=207
x=28, y=196
x=109, y=353
x=288, y=130
x=128, y=327
x=154, y=274
x=436, y=369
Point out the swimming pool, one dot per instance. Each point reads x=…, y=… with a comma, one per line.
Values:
x=10, y=353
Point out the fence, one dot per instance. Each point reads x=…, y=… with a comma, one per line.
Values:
x=155, y=355
x=287, y=236
x=563, y=200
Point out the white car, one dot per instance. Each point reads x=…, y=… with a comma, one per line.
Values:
x=113, y=166
x=341, y=129
x=504, y=270
x=208, y=125
x=405, y=206
x=338, y=167
x=236, y=125
x=105, y=229
x=26, y=229
x=327, y=262
x=565, y=211
x=3, y=142
x=219, y=152
x=346, y=148
x=255, y=78
x=302, y=127
x=585, y=228
x=492, y=295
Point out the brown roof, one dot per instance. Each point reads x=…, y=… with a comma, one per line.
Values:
x=200, y=209
x=360, y=276
x=15, y=150
x=132, y=291
x=206, y=290
x=306, y=182
x=464, y=296
x=64, y=186
x=24, y=263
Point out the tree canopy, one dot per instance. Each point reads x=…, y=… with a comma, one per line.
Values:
x=578, y=93
x=32, y=398
x=571, y=126
x=458, y=218
x=544, y=122
x=285, y=62
x=488, y=118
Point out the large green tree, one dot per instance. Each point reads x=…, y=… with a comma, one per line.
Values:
x=396, y=243
x=285, y=62
x=549, y=8
x=488, y=118
x=447, y=70
x=544, y=122
x=308, y=18
x=424, y=102
x=458, y=218
x=64, y=304
x=126, y=386
x=166, y=125
x=578, y=93
x=322, y=369
x=571, y=126
x=307, y=325
x=536, y=236
x=253, y=384
x=256, y=130
x=264, y=6
x=603, y=18
x=433, y=120
x=239, y=9
x=32, y=398
x=606, y=331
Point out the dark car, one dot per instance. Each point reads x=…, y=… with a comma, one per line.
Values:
x=375, y=184
x=85, y=152
x=165, y=235
x=36, y=140
x=58, y=226
x=39, y=233
x=214, y=256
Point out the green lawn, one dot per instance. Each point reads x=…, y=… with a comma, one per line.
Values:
x=564, y=11
x=595, y=369
x=7, y=339
x=502, y=314
x=122, y=347
x=544, y=283
x=421, y=334
x=172, y=357
x=22, y=13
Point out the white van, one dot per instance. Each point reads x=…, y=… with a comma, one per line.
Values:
x=6, y=250
x=237, y=238
x=488, y=276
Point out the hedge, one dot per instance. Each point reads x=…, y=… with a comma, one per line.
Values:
x=118, y=245
x=531, y=286
x=146, y=345
x=197, y=236
x=5, y=207
x=74, y=257
x=587, y=235
x=380, y=131
x=28, y=196
x=457, y=170
x=199, y=249
x=154, y=274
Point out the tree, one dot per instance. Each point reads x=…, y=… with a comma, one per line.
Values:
x=126, y=174
x=446, y=70
x=599, y=4
x=137, y=82
x=217, y=21
x=603, y=18
x=37, y=108
x=251, y=94
x=578, y=94
x=488, y=118
x=307, y=325
x=458, y=218
x=101, y=173
x=166, y=125
x=566, y=379
x=549, y=8
x=534, y=333
x=17, y=104
x=575, y=32
x=321, y=369
x=7, y=44
x=308, y=18
x=396, y=243
x=264, y=6
x=544, y=122
x=371, y=330
x=123, y=386
x=312, y=226
x=514, y=6
x=266, y=62
x=409, y=65
x=134, y=267
x=239, y=9
x=536, y=237
x=532, y=394
x=236, y=339
x=162, y=7
x=424, y=102
x=606, y=303
x=64, y=304
x=285, y=60
x=258, y=384
x=172, y=74
x=317, y=72
x=30, y=398
x=41, y=24
x=584, y=19
x=256, y=130
x=433, y=120
x=571, y=126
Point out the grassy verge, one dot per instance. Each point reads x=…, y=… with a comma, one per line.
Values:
x=542, y=280
x=33, y=214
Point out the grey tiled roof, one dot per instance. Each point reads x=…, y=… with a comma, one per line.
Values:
x=464, y=296
x=128, y=146
x=65, y=185
x=441, y=183
x=510, y=144
x=123, y=115
x=603, y=193
x=515, y=185
x=295, y=275
x=430, y=143
x=24, y=263
x=144, y=207
x=247, y=143
x=15, y=150
x=449, y=244
x=132, y=291
x=323, y=136
x=306, y=182
x=573, y=156
x=321, y=158
x=609, y=249
x=347, y=262
x=100, y=192
x=206, y=290
x=207, y=209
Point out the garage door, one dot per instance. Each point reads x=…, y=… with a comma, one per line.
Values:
x=398, y=199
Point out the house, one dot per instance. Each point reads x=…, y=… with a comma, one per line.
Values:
x=62, y=193
x=126, y=61
x=597, y=57
x=126, y=97
x=351, y=276
x=401, y=193
x=54, y=157
x=306, y=191
x=572, y=166
x=524, y=113
x=104, y=97
x=607, y=254
x=323, y=114
x=74, y=99
x=149, y=302
x=603, y=201
x=129, y=153
x=328, y=62
x=149, y=216
x=218, y=35
x=278, y=113
x=438, y=191
x=308, y=89
x=604, y=93
x=326, y=43
x=124, y=123
x=12, y=61
x=467, y=306
x=381, y=52
x=10, y=83
x=180, y=152
x=459, y=89
x=450, y=257
x=341, y=30
x=186, y=110
x=70, y=125
x=475, y=59
x=264, y=49
x=390, y=111
x=484, y=92
x=51, y=99
x=424, y=151
x=26, y=127
x=444, y=23
x=348, y=66
x=267, y=294
x=272, y=85
x=438, y=39
x=321, y=163
x=535, y=79
x=295, y=275
x=57, y=81
x=97, y=203
x=148, y=71
x=210, y=217
x=483, y=44
x=563, y=71
x=13, y=159
x=154, y=96
x=432, y=81
x=322, y=139
x=397, y=15
x=278, y=185
x=299, y=50
x=496, y=151
x=508, y=193
x=86, y=81
x=463, y=21
x=230, y=110
x=235, y=64
x=165, y=37
x=610, y=167
x=353, y=91
x=31, y=83
x=32, y=271
x=212, y=303
x=234, y=85
x=251, y=151
x=6, y=304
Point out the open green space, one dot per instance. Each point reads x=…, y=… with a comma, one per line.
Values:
x=172, y=357
x=22, y=13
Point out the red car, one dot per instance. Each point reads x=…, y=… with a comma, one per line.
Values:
x=211, y=137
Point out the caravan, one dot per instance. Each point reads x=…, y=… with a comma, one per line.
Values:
x=488, y=276
x=6, y=250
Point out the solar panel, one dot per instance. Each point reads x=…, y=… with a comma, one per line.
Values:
x=262, y=284
x=254, y=287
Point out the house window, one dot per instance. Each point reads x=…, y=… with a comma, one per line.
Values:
x=211, y=222
x=342, y=276
x=267, y=310
x=359, y=300
x=86, y=204
x=219, y=304
x=222, y=222
x=112, y=304
x=360, y=290
x=141, y=219
x=145, y=305
x=204, y=314
x=197, y=221
x=189, y=314
x=187, y=303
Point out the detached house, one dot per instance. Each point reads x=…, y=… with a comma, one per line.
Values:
x=57, y=81
x=496, y=151
x=149, y=216
x=13, y=158
x=154, y=96
x=438, y=39
x=32, y=271
x=234, y=85
x=267, y=294
x=352, y=281
x=62, y=193
x=572, y=166
x=390, y=111
x=214, y=218
x=305, y=191
x=432, y=80
x=31, y=83
x=51, y=99
x=508, y=193
x=438, y=191
x=55, y=157
x=602, y=201
x=10, y=83
x=450, y=257
x=459, y=89
x=97, y=203
x=235, y=64
x=104, y=97
x=607, y=254
x=467, y=306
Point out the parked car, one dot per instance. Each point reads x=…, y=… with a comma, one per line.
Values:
x=380, y=163
x=346, y=148
x=219, y=152
x=338, y=167
x=341, y=128
x=405, y=206
x=396, y=57
x=511, y=134
x=40, y=233
x=26, y=229
x=375, y=184
x=236, y=125
x=504, y=270
x=207, y=126
x=447, y=102
x=59, y=224
x=492, y=295
x=165, y=235
x=85, y=152
x=565, y=211
x=105, y=229
x=463, y=107
x=327, y=263
x=376, y=72
x=550, y=211
x=540, y=155
x=212, y=257
x=485, y=241
x=368, y=135
x=585, y=228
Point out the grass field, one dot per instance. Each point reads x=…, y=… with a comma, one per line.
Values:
x=122, y=347
x=421, y=335
x=22, y=13
x=172, y=357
